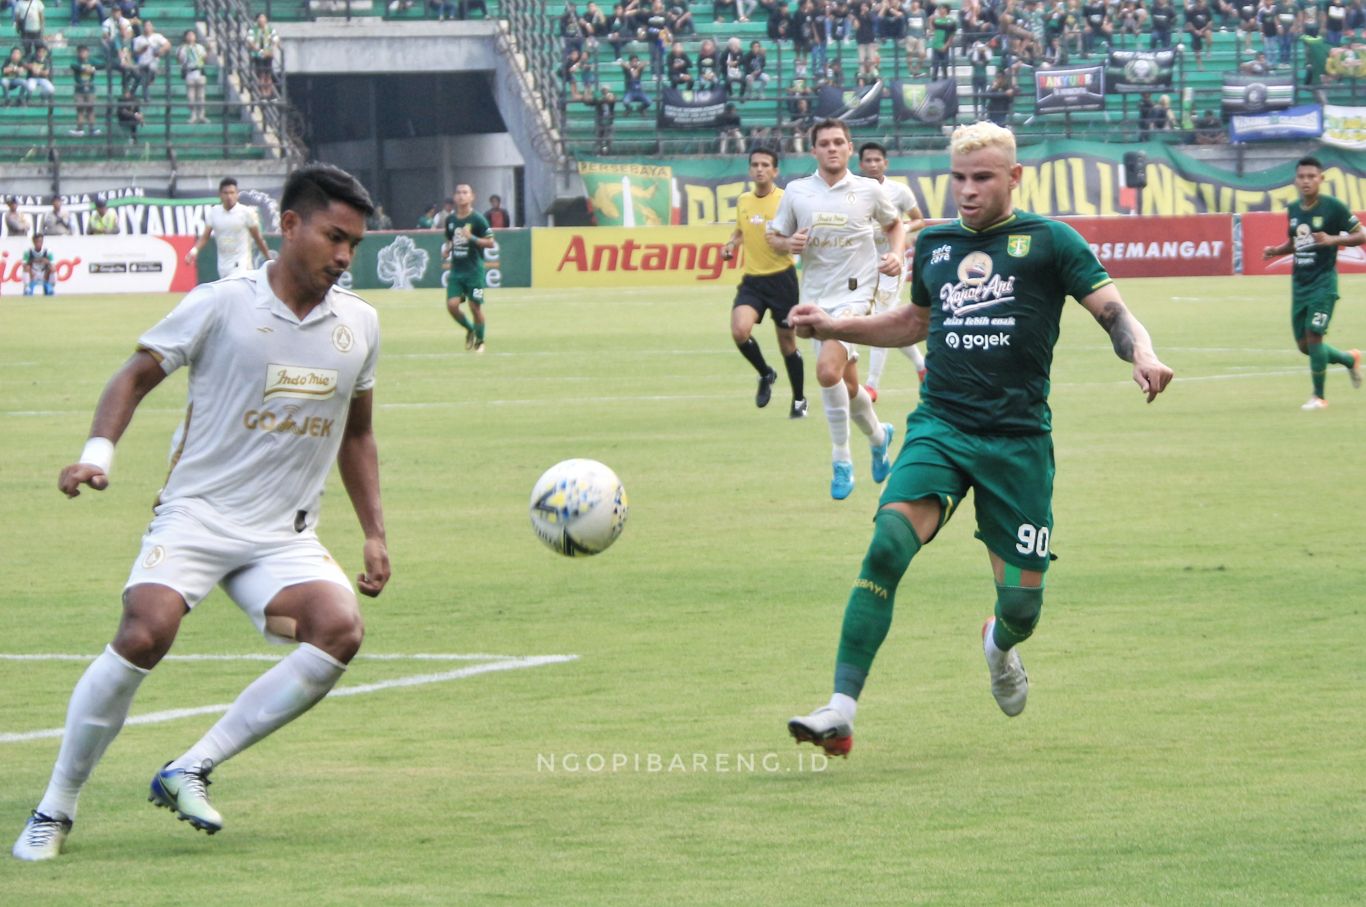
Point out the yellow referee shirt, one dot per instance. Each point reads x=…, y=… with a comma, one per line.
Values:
x=752, y=215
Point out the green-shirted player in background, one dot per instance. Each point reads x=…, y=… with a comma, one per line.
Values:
x=1319, y=226
x=467, y=236
x=988, y=291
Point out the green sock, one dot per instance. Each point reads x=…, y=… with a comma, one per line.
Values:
x=1318, y=365
x=1017, y=610
x=868, y=615
x=460, y=320
x=479, y=331
x=1336, y=356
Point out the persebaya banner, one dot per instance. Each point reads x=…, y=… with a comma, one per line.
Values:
x=1256, y=94
x=628, y=195
x=1303, y=122
x=1059, y=178
x=930, y=103
x=855, y=106
x=685, y=109
x=411, y=260
x=1072, y=88
x=142, y=214
x=1345, y=127
x=1139, y=70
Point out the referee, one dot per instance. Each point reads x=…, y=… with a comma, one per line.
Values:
x=769, y=282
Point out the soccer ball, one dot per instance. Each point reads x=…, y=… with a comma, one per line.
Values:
x=578, y=507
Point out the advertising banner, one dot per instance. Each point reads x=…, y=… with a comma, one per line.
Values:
x=931, y=103
x=1068, y=89
x=103, y=264
x=691, y=109
x=1196, y=246
x=1130, y=71
x=142, y=214
x=1303, y=122
x=1255, y=94
x=638, y=257
x=1270, y=228
x=855, y=106
x=410, y=260
x=1345, y=127
x=1059, y=178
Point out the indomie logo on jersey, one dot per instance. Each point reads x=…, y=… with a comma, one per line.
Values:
x=977, y=288
x=299, y=381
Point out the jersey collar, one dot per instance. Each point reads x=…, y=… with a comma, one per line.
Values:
x=999, y=223
x=266, y=299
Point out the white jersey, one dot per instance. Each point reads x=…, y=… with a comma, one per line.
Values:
x=839, y=263
x=232, y=230
x=903, y=200
x=268, y=401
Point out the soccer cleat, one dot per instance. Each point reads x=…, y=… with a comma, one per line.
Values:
x=872, y=391
x=920, y=373
x=882, y=466
x=827, y=728
x=1314, y=403
x=185, y=793
x=469, y=338
x=479, y=347
x=1009, y=682
x=765, y=392
x=842, y=483
x=1354, y=372
x=798, y=410
x=42, y=837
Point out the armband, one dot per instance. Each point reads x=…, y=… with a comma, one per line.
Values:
x=98, y=452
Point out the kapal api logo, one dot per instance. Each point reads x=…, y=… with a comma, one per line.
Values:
x=978, y=287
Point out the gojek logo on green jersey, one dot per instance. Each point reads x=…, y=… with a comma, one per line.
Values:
x=978, y=286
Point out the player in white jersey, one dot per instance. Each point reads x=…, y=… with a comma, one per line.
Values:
x=829, y=218
x=282, y=367
x=872, y=163
x=236, y=227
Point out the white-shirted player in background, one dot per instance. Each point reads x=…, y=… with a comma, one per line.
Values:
x=829, y=219
x=236, y=227
x=282, y=365
x=872, y=163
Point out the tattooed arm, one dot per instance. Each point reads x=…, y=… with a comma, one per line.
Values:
x=1130, y=339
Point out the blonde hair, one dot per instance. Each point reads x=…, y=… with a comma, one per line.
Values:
x=972, y=137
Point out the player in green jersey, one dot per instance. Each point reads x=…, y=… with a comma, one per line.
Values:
x=1319, y=226
x=987, y=291
x=467, y=236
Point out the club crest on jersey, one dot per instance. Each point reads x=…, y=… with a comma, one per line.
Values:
x=1017, y=246
x=299, y=381
x=978, y=286
x=343, y=339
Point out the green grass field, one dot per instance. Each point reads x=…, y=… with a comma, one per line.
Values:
x=1194, y=733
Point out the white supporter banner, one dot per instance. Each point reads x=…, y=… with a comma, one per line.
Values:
x=103, y=264
x=1344, y=127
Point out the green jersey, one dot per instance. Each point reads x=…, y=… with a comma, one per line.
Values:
x=995, y=298
x=40, y=263
x=465, y=255
x=1316, y=267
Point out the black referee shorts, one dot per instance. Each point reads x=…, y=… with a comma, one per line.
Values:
x=776, y=293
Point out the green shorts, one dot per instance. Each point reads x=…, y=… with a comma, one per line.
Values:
x=1312, y=314
x=467, y=284
x=1011, y=477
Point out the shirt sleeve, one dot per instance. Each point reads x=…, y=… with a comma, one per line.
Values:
x=481, y=226
x=177, y=339
x=1079, y=271
x=366, y=379
x=920, y=293
x=784, y=223
x=884, y=212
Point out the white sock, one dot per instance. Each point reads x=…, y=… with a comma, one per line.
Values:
x=836, y=400
x=99, y=704
x=877, y=361
x=845, y=705
x=861, y=408
x=273, y=700
x=994, y=655
x=917, y=358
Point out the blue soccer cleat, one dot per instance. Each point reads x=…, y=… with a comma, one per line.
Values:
x=185, y=793
x=842, y=484
x=882, y=466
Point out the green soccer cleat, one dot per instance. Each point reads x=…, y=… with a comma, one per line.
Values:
x=185, y=793
x=42, y=837
x=1009, y=682
x=827, y=728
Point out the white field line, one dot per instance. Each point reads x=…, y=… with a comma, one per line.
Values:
x=513, y=663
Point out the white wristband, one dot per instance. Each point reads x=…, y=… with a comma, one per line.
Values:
x=98, y=452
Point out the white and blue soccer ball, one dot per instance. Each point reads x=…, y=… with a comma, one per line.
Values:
x=578, y=507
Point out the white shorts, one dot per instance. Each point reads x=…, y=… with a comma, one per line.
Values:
x=230, y=266
x=845, y=310
x=888, y=293
x=183, y=553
